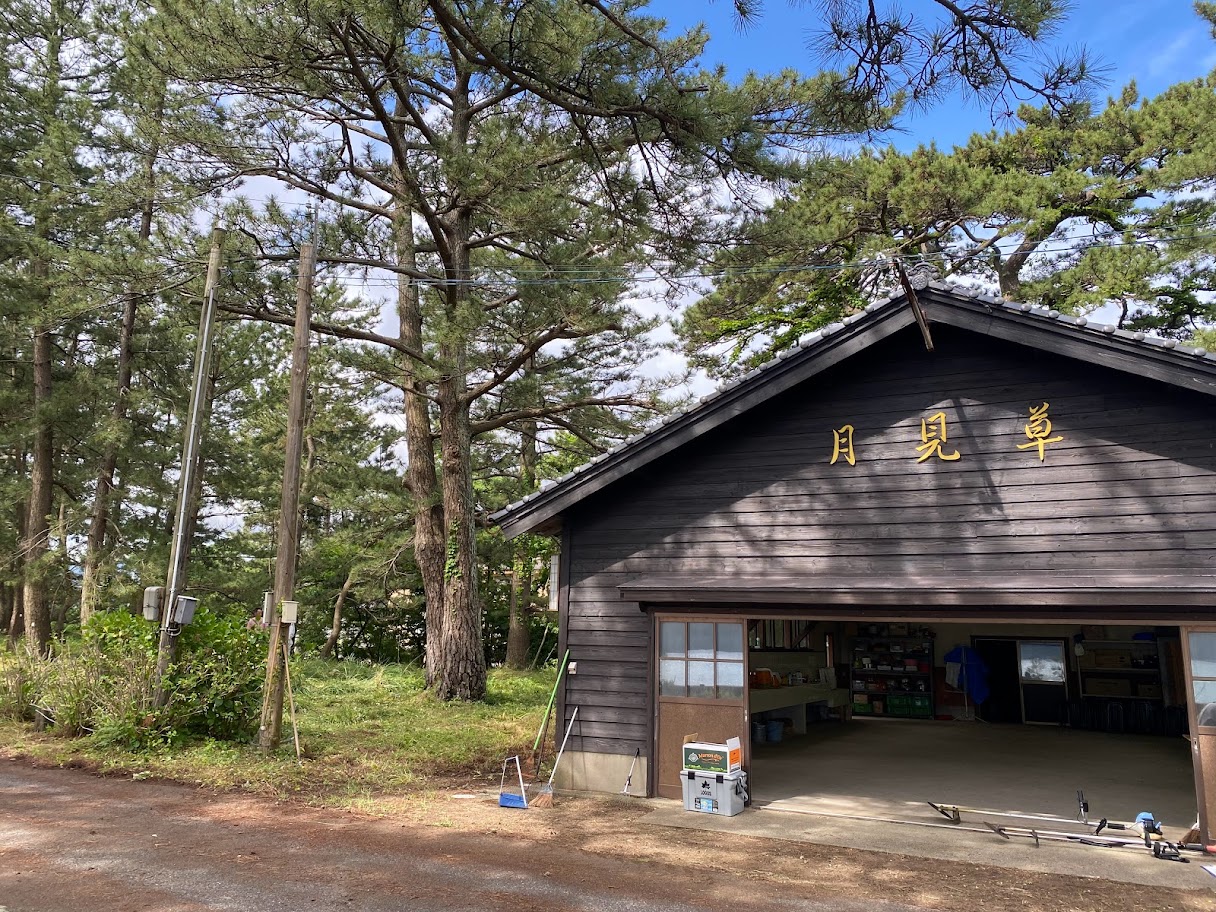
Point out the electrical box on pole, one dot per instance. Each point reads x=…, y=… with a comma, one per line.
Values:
x=183, y=610
x=154, y=599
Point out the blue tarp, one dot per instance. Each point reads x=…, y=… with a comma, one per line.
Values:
x=973, y=673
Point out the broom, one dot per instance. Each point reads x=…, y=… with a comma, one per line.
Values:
x=544, y=798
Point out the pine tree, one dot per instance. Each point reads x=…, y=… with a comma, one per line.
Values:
x=1074, y=210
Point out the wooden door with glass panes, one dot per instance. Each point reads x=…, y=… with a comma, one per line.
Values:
x=1199, y=661
x=701, y=670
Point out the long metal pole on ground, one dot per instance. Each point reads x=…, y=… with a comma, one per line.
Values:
x=179, y=548
x=271, y=728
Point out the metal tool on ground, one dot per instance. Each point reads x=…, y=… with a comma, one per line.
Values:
x=1152, y=839
x=629, y=779
x=545, y=796
x=954, y=813
x=1146, y=829
x=507, y=799
x=1107, y=842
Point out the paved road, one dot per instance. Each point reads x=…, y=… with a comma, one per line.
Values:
x=70, y=841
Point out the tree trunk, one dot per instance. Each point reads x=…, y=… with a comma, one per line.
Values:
x=332, y=640
x=519, y=630
x=421, y=476
x=59, y=619
x=102, y=498
x=37, y=528
x=16, y=624
x=460, y=666
x=1009, y=269
x=6, y=607
x=519, y=634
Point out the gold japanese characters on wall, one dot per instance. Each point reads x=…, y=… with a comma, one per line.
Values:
x=935, y=436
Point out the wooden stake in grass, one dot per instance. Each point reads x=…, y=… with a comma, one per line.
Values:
x=291, y=698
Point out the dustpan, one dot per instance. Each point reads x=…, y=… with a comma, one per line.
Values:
x=508, y=799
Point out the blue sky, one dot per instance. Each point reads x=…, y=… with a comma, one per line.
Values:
x=1154, y=42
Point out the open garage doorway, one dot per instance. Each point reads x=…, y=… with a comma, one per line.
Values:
x=879, y=719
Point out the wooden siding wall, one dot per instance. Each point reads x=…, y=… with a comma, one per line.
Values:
x=1132, y=486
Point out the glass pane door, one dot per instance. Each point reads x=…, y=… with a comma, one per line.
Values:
x=1041, y=663
x=1043, y=673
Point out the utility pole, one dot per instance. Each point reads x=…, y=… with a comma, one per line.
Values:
x=179, y=548
x=271, y=728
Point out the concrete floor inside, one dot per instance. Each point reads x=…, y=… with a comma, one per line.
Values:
x=890, y=768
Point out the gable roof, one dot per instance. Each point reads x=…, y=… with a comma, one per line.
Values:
x=1048, y=330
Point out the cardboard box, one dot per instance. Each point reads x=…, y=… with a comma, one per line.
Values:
x=713, y=758
x=1149, y=691
x=1108, y=687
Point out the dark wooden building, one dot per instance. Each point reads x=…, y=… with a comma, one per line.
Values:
x=1031, y=469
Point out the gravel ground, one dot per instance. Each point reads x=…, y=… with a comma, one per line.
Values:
x=70, y=840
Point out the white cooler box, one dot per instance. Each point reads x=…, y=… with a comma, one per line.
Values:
x=714, y=793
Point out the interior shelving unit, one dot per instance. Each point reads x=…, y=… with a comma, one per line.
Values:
x=891, y=674
x=1120, y=669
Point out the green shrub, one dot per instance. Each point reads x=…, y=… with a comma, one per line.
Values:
x=217, y=684
x=103, y=683
x=19, y=679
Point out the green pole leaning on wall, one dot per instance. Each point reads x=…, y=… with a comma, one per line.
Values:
x=544, y=723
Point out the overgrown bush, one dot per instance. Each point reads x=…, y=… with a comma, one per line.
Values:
x=19, y=674
x=102, y=683
x=218, y=683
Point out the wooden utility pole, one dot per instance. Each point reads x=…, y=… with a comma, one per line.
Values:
x=179, y=548
x=271, y=728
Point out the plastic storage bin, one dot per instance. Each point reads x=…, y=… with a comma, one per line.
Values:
x=724, y=794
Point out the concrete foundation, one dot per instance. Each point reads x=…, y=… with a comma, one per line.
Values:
x=583, y=771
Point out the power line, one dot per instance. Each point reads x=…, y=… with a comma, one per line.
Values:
x=589, y=275
x=573, y=275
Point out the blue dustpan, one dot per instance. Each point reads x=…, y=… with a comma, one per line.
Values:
x=508, y=799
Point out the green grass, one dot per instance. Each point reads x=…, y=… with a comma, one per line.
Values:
x=365, y=731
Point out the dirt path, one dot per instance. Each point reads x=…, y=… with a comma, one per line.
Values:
x=72, y=841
